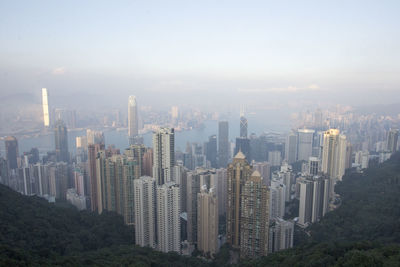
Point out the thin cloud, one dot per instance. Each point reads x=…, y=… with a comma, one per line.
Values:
x=58, y=71
x=289, y=89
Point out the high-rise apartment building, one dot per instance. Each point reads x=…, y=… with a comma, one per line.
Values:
x=391, y=142
x=304, y=143
x=306, y=201
x=280, y=235
x=168, y=217
x=163, y=155
x=277, y=198
x=334, y=156
x=207, y=221
x=223, y=144
x=291, y=148
x=195, y=181
x=45, y=105
x=314, y=198
x=145, y=211
x=61, y=141
x=239, y=172
x=254, y=218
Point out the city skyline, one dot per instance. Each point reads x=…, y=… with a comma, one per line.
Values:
x=199, y=133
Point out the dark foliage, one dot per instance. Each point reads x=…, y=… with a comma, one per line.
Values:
x=363, y=231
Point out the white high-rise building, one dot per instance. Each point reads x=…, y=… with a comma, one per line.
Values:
x=280, y=235
x=163, y=155
x=305, y=139
x=145, y=211
x=168, y=217
x=45, y=103
x=334, y=156
x=132, y=119
x=361, y=159
x=277, y=198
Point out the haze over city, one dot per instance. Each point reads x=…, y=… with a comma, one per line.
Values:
x=199, y=133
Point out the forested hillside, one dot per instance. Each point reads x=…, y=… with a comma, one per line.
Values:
x=363, y=231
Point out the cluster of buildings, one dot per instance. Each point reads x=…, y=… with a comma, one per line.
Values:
x=199, y=199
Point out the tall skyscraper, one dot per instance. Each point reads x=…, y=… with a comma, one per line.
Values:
x=132, y=119
x=391, y=142
x=314, y=198
x=304, y=143
x=163, y=155
x=254, y=218
x=243, y=126
x=277, y=198
x=195, y=181
x=223, y=144
x=306, y=201
x=12, y=154
x=207, y=221
x=145, y=211
x=45, y=104
x=211, y=151
x=291, y=148
x=168, y=217
x=334, y=156
x=243, y=144
x=239, y=172
x=61, y=141
x=93, y=150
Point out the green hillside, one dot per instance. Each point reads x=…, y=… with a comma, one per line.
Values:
x=363, y=231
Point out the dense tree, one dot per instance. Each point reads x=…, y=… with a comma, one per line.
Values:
x=363, y=231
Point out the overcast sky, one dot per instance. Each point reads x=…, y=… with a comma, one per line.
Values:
x=315, y=51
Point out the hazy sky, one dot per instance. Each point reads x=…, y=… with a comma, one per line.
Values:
x=315, y=50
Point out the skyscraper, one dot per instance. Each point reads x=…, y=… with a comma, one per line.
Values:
x=195, y=181
x=12, y=154
x=239, y=172
x=132, y=119
x=306, y=201
x=211, y=151
x=223, y=144
x=254, y=218
x=243, y=126
x=304, y=143
x=93, y=149
x=207, y=221
x=291, y=148
x=61, y=141
x=45, y=104
x=334, y=156
x=145, y=211
x=163, y=155
x=168, y=217
x=277, y=198
x=391, y=142
x=243, y=144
